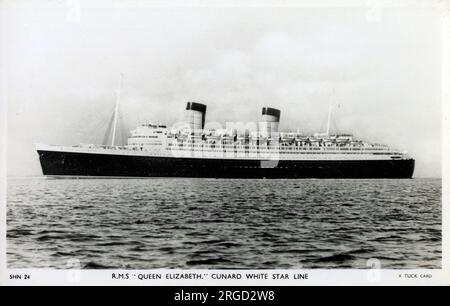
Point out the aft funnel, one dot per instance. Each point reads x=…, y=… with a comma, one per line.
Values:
x=270, y=121
x=195, y=117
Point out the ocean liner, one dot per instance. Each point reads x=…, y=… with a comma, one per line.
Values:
x=154, y=150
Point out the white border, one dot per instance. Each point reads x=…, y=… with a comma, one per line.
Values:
x=445, y=139
x=3, y=150
x=315, y=277
x=325, y=277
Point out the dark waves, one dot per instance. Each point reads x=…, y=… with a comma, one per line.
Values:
x=224, y=224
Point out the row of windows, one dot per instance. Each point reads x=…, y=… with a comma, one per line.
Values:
x=134, y=137
x=280, y=153
x=281, y=149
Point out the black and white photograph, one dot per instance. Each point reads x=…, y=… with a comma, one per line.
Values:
x=224, y=140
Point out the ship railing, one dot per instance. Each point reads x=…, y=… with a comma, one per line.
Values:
x=222, y=147
x=239, y=151
x=94, y=147
x=257, y=150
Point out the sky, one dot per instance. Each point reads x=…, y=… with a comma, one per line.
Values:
x=61, y=63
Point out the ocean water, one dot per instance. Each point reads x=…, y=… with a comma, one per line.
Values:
x=223, y=223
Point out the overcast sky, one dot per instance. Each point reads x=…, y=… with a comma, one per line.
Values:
x=62, y=68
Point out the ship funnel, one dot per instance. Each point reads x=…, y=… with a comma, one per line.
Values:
x=195, y=117
x=270, y=121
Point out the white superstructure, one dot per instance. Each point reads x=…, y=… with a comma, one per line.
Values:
x=267, y=142
x=158, y=140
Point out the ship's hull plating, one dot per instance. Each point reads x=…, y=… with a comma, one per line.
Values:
x=63, y=164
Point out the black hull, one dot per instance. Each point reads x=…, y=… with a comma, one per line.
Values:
x=103, y=165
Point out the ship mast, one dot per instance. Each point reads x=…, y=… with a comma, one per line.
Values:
x=116, y=111
x=329, y=113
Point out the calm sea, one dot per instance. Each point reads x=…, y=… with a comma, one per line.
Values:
x=209, y=223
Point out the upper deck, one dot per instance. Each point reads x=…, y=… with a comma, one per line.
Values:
x=228, y=143
x=158, y=140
